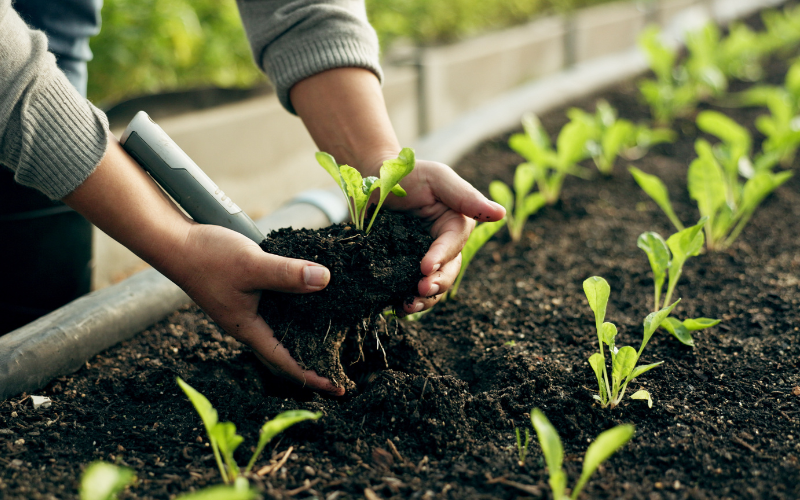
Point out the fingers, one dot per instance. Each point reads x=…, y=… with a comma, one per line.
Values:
x=459, y=195
x=265, y=271
x=278, y=360
x=431, y=288
x=451, y=231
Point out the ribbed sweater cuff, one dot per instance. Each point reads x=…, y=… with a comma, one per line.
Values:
x=293, y=63
x=60, y=140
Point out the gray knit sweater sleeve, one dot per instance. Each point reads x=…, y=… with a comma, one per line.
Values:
x=49, y=135
x=295, y=39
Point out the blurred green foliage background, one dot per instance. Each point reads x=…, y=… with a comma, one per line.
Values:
x=148, y=46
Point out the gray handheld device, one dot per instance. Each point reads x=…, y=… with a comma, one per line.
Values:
x=179, y=176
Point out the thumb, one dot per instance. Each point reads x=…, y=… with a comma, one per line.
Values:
x=266, y=271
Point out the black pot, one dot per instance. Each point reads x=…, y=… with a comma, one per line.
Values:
x=45, y=254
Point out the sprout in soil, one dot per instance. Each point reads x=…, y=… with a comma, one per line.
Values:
x=606, y=444
x=224, y=440
x=522, y=446
x=479, y=236
x=623, y=360
x=683, y=244
x=102, y=481
x=713, y=180
x=550, y=166
x=611, y=136
x=357, y=190
x=523, y=205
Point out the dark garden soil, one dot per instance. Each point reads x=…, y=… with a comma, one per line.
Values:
x=439, y=422
x=368, y=275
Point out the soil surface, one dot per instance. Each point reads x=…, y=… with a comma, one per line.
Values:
x=368, y=275
x=439, y=422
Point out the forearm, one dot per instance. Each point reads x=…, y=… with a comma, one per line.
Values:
x=125, y=203
x=344, y=111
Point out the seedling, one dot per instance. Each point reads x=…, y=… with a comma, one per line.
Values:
x=623, y=360
x=782, y=125
x=672, y=93
x=224, y=440
x=102, y=481
x=522, y=446
x=611, y=136
x=606, y=444
x=523, y=205
x=713, y=181
x=683, y=244
x=551, y=166
x=704, y=61
x=357, y=190
x=479, y=236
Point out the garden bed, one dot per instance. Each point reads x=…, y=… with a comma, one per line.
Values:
x=439, y=422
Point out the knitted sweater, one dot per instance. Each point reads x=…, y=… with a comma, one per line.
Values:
x=53, y=139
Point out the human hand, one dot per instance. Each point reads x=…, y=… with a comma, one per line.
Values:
x=451, y=206
x=224, y=273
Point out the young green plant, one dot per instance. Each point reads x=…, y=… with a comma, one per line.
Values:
x=522, y=446
x=673, y=93
x=224, y=440
x=623, y=360
x=550, y=166
x=523, y=205
x=103, y=481
x=479, y=236
x=611, y=137
x=782, y=126
x=667, y=258
x=606, y=444
x=713, y=181
x=357, y=189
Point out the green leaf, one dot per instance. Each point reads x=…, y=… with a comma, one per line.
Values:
x=102, y=481
x=551, y=449
x=606, y=444
x=642, y=394
x=203, y=406
x=759, y=187
x=695, y=324
x=277, y=425
x=392, y=172
x=479, y=236
x=524, y=178
x=597, y=292
x=224, y=433
x=223, y=492
x=530, y=205
x=653, y=320
x=620, y=135
x=329, y=164
x=680, y=332
x=354, y=184
x=706, y=184
x=501, y=193
x=622, y=366
x=656, y=189
x=684, y=244
x=658, y=254
x=571, y=144
x=644, y=368
x=726, y=129
x=598, y=364
x=660, y=58
x=607, y=334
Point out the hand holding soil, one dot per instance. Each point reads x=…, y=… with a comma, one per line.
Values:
x=225, y=273
x=450, y=206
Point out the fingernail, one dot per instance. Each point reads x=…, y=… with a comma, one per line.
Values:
x=316, y=276
x=435, y=268
x=433, y=290
x=417, y=307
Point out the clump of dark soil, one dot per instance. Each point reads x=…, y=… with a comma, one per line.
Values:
x=369, y=273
